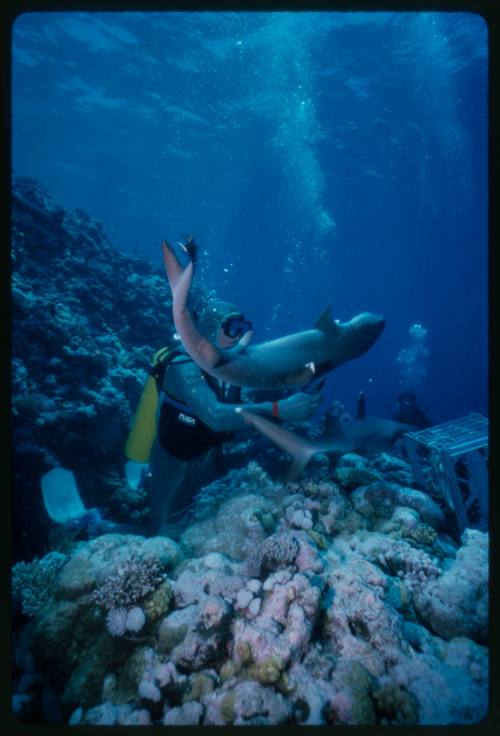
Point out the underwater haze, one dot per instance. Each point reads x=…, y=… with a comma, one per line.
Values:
x=317, y=157
x=167, y=570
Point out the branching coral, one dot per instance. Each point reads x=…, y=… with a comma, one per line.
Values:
x=256, y=475
x=276, y=551
x=414, y=566
x=33, y=583
x=129, y=582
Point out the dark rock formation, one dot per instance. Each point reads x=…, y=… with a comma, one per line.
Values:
x=86, y=320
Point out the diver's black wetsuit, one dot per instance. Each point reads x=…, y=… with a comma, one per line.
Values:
x=195, y=416
x=183, y=434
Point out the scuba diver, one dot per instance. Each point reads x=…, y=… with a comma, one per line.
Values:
x=195, y=415
x=409, y=408
x=361, y=406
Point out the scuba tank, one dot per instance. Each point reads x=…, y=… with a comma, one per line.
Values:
x=143, y=430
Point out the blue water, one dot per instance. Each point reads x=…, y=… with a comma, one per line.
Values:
x=316, y=156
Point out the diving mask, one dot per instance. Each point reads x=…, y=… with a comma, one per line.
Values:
x=236, y=326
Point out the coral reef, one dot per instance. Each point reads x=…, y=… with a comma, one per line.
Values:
x=34, y=583
x=275, y=552
x=248, y=703
x=381, y=497
x=361, y=627
x=355, y=476
x=128, y=582
x=240, y=523
x=86, y=322
x=456, y=604
x=333, y=600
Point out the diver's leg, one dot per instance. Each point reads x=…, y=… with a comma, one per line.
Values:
x=172, y=485
x=156, y=483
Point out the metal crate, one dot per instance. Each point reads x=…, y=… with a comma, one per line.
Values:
x=450, y=462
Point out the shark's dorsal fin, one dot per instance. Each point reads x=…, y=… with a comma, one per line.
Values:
x=325, y=322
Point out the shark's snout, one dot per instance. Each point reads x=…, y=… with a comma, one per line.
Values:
x=367, y=327
x=374, y=327
x=378, y=324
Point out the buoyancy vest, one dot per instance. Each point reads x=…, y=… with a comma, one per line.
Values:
x=180, y=432
x=183, y=434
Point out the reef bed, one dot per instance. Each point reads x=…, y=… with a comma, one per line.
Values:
x=278, y=604
x=339, y=598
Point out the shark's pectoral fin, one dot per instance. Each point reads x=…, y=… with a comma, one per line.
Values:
x=302, y=376
x=324, y=368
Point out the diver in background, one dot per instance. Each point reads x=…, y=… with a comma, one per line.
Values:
x=409, y=409
x=196, y=414
x=361, y=406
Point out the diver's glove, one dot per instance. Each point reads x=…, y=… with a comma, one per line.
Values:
x=298, y=407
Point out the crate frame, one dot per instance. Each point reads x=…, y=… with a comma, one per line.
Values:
x=435, y=453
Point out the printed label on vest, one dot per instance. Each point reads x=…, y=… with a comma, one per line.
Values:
x=185, y=419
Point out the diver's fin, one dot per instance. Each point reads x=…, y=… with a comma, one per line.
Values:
x=325, y=322
x=60, y=496
x=134, y=473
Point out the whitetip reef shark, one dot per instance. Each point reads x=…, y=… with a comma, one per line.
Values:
x=293, y=360
x=366, y=436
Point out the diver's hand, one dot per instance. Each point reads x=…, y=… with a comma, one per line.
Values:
x=299, y=407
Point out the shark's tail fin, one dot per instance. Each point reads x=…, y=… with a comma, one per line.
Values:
x=299, y=448
x=173, y=267
x=190, y=247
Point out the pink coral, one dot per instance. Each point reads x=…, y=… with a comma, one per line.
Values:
x=282, y=629
x=148, y=691
x=358, y=622
x=456, y=604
